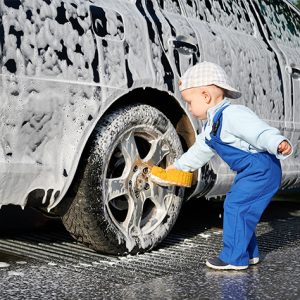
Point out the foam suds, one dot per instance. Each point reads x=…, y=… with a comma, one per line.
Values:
x=21, y=262
x=85, y=265
x=14, y=273
x=4, y=265
x=205, y=236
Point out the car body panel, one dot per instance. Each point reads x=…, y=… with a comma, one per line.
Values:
x=45, y=55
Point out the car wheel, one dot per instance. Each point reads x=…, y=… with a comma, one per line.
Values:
x=115, y=208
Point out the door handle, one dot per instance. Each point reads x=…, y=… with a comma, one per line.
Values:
x=296, y=73
x=293, y=71
x=183, y=47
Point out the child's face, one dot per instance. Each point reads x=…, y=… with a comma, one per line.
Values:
x=197, y=101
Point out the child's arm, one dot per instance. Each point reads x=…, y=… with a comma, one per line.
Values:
x=171, y=167
x=197, y=156
x=246, y=125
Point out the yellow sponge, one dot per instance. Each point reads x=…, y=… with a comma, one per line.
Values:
x=171, y=177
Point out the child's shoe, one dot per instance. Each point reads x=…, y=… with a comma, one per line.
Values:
x=217, y=264
x=254, y=261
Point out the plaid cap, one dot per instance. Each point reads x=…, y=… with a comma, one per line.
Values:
x=207, y=73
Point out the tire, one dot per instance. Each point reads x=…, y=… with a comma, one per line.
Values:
x=115, y=209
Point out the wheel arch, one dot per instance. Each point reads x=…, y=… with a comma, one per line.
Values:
x=162, y=101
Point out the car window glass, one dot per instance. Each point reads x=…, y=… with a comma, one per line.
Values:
x=230, y=13
x=107, y=23
x=171, y=6
x=283, y=21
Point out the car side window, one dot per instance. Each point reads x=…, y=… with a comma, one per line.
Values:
x=283, y=21
x=231, y=14
x=107, y=23
x=171, y=6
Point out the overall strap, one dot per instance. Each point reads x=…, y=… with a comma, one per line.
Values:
x=216, y=120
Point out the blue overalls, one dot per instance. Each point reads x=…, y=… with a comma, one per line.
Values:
x=258, y=179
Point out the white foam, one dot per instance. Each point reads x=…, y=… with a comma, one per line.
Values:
x=14, y=273
x=205, y=236
x=4, y=265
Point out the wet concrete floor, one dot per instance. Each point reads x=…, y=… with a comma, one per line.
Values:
x=39, y=260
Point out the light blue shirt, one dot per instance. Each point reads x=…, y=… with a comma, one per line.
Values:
x=241, y=128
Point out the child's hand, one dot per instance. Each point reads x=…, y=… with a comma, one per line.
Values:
x=171, y=167
x=284, y=148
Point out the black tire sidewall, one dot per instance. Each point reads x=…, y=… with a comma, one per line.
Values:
x=104, y=140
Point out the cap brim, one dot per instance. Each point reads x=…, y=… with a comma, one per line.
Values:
x=230, y=92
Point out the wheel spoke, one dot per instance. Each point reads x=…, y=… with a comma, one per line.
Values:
x=129, y=149
x=157, y=151
x=115, y=187
x=146, y=194
x=157, y=196
x=134, y=216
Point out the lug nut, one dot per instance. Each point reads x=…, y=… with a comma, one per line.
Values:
x=145, y=170
x=130, y=183
x=135, y=168
x=137, y=194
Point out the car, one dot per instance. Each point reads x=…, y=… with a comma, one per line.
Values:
x=90, y=102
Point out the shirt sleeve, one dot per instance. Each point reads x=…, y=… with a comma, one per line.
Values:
x=246, y=125
x=197, y=155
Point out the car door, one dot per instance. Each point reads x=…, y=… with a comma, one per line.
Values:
x=230, y=35
x=118, y=29
x=282, y=28
x=178, y=39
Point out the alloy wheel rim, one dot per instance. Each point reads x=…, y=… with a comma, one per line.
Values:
x=133, y=202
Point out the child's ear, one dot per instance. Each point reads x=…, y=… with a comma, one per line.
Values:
x=207, y=96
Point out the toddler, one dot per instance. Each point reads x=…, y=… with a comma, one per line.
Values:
x=247, y=144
